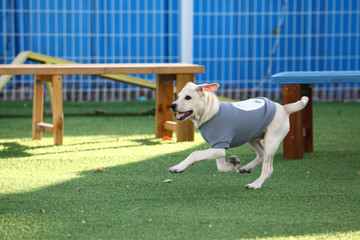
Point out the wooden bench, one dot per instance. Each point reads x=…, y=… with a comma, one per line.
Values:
x=167, y=74
x=295, y=85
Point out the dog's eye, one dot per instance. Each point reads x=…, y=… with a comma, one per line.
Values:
x=187, y=97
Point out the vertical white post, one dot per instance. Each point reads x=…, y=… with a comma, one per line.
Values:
x=186, y=31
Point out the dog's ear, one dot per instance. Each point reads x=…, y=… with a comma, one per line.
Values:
x=207, y=87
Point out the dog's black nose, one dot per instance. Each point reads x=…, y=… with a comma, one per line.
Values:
x=173, y=107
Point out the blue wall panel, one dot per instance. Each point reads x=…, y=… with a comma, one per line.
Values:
x=239, y=42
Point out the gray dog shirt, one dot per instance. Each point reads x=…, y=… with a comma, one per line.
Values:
x=237, y=123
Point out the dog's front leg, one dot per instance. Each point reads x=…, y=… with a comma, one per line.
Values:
x=198, y=156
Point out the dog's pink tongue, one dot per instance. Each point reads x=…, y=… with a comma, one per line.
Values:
x=180, y=115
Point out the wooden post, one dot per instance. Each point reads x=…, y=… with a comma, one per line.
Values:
x=184, y=130
x=307, y=113
x=294, y=141
x=38, y=106
x=164, y=98
x=58, y=115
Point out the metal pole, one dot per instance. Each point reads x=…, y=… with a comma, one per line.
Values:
x=186, y=31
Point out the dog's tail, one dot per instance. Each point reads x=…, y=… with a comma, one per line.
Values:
x=296, y=106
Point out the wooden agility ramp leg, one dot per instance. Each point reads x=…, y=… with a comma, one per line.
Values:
x=164, y=117
x=164, y=98
x=294, y=142
x=38, y=126
x=58, y=115
x=38, y=106
x=185, y=131
x=307, y=113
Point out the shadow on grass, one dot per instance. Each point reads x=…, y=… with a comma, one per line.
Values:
x=13, y=149
x=131, y=201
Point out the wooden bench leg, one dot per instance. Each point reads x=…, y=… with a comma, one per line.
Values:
x=58, y=115
x=307, y=113
x=38, y=127
x=164, y=98
x=184, y=130
x=38, y=106
x=294, y=141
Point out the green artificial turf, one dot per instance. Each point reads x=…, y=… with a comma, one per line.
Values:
x=54, y=192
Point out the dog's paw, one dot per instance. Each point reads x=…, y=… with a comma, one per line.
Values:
x=175, y=169
x=244, y=170
x=234, y=161
x=229, y=166
x=253, y=186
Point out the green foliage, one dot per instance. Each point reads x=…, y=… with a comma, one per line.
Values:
x=55, y=192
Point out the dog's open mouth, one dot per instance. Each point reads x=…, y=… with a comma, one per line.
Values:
x=183, y=115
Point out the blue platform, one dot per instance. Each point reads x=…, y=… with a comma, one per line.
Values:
x=312, y=77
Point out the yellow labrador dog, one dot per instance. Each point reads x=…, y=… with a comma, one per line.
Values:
x=225, y=125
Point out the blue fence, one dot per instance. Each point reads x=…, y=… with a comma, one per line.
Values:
x=240, y=43
x=244, y=42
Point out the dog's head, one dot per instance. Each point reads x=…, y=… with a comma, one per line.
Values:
x=191, y=99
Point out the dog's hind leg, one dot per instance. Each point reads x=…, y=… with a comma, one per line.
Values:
x=232, y=165
x=276, y=132
x=259, y=149
x=267, y=167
